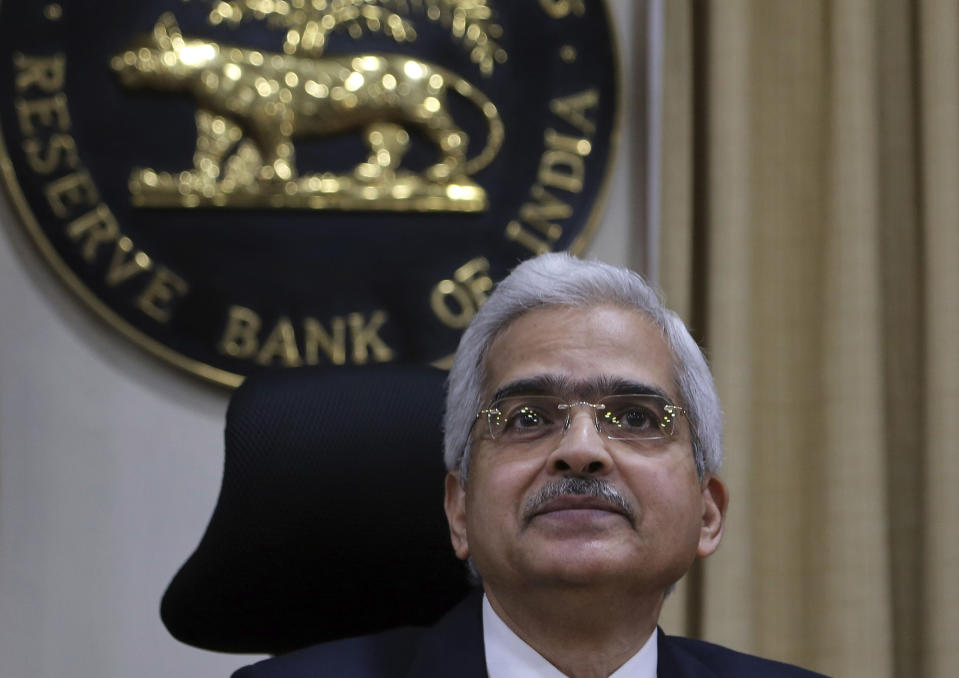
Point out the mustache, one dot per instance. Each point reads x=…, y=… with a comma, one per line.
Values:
x=576, y=486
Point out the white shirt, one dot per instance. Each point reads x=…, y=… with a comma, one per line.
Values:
x=509, y=656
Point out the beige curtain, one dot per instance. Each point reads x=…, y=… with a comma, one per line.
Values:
x=810, y=235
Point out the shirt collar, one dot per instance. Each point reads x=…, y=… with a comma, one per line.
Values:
x=509, y=656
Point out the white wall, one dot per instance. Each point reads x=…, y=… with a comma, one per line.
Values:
x=110, y=465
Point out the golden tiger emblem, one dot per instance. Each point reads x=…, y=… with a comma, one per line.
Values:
x=252, y=106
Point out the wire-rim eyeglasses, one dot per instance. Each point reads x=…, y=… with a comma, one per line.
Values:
x=630, y=416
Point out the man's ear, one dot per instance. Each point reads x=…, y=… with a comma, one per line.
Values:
x=455, y=505
x=715, y=501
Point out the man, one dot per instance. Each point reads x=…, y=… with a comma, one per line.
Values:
x=582, y=439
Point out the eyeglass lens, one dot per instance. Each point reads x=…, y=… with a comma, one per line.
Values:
x=619, y=417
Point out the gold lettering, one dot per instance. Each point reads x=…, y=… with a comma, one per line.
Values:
x=546, y=207
x=562, y=166
x=529, y=240
x=98, y=225
x=280, y=344
x=564, y=142
x=162, y=289
x=459, y=317
x=332, y=344
x=558, y=9
x=472, y=274
x=365, y=338
x=550, y=172
x=45, y=73
x=47, y=111
x=571, y=109
x=123, y=266
x=57, y=146
x=76, y=188
x=468, y=290
x=239, y=339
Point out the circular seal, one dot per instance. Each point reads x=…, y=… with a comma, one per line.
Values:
x=245, y=184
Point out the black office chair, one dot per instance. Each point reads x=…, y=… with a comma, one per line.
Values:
x=330, y=519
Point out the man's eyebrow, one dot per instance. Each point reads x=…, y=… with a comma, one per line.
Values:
x=617, y=386
x=539, y=385
x=551, y=384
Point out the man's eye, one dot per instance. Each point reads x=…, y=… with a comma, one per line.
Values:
x=526, y=418
x=633, y=418
x=527, y=421
x=640, y=418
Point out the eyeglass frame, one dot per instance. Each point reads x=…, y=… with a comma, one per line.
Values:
x=671, y=412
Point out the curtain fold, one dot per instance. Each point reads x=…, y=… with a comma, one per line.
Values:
x=939, y=136
x=810, y=236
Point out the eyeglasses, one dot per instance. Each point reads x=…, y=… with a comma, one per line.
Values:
x=530, y=418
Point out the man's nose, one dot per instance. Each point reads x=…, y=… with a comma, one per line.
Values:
x=582, y=449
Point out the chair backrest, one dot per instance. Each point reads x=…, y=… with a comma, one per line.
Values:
x=330, y=519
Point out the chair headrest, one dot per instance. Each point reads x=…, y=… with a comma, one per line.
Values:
x=330, y=518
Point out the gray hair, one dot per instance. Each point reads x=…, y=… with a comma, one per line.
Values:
x=559, y=280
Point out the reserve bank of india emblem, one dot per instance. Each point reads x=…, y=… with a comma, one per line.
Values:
x=243, y=184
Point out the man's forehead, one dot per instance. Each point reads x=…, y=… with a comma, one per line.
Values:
x=580, y=351
x=576, y=388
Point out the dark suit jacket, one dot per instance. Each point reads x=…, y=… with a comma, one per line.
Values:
x=453, y=648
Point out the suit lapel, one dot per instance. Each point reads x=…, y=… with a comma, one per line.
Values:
x=674, y=662
x=454, y=646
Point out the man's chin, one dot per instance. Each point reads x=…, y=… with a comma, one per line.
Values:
x=577, y=562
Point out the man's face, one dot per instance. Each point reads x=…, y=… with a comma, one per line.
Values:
x=578, y=354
